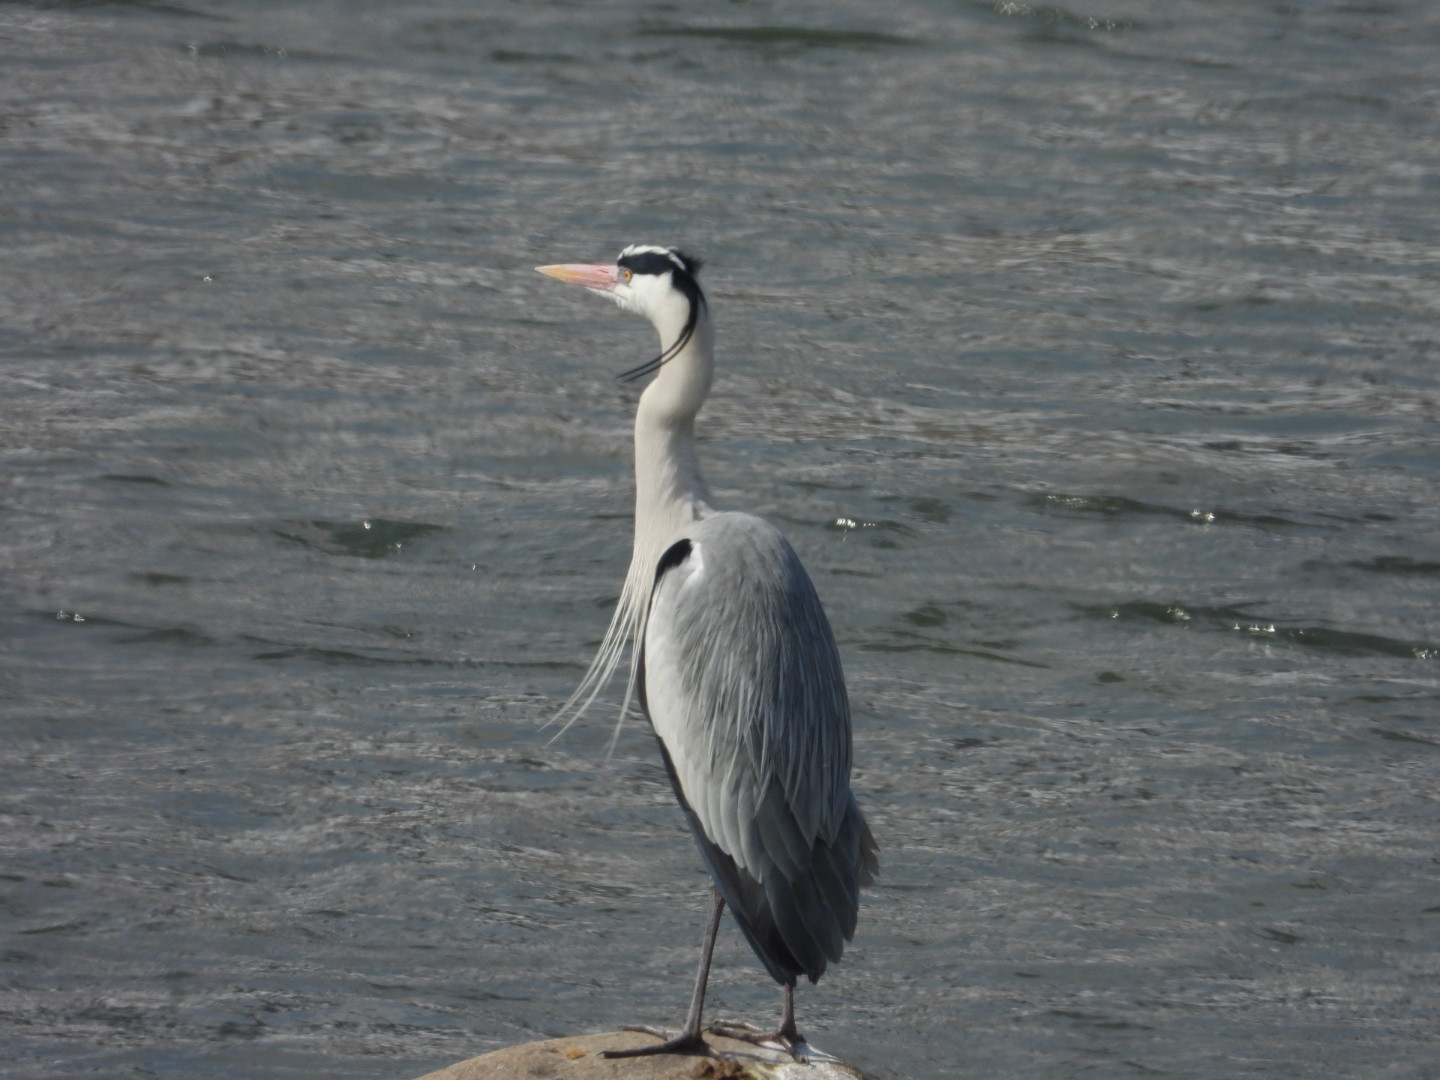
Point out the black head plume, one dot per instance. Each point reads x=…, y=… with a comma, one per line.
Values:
x=683, y=269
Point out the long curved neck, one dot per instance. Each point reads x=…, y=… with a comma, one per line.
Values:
x=669, y=495
x=669, y=491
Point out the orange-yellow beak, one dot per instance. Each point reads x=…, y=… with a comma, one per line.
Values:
x=601, y=278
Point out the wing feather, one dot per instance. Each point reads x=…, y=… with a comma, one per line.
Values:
x=742, y=683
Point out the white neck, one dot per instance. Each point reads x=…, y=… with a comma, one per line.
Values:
x=669, y=491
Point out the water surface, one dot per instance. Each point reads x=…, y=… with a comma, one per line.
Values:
x=1088, y=357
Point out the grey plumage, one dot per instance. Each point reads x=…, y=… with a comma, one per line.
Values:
x=742, y=683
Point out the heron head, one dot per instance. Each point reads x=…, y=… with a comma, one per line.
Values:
x=657, y=282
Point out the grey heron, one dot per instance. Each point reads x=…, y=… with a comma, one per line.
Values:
x=736, y=669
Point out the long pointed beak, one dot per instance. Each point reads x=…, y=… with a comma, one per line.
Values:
x=601, y=278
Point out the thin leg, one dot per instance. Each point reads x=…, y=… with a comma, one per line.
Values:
x=788, y=1032
x=689, y=1041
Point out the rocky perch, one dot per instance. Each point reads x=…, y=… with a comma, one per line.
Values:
x=579, y=1058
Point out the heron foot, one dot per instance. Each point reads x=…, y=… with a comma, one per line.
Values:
x=687, y=1042
x=790, y=1040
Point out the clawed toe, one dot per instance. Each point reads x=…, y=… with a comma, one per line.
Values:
x=791, y=1041
x=659, y=1033
x=687, y=1042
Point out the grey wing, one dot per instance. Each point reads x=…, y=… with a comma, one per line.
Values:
x=742, y=683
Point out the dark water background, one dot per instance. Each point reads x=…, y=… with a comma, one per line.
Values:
x=1088, y=355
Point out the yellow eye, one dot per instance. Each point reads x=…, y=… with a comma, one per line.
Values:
x=626, y=274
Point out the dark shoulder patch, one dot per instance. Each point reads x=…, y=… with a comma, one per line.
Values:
x=674, y=555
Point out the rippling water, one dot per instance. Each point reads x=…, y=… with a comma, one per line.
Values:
x=1087, y=355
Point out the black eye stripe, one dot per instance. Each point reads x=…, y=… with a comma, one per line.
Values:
x=654, y=260
x=690, y=263
x=647, y=262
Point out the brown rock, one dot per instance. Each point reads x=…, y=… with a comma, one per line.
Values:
x=579, y=1058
